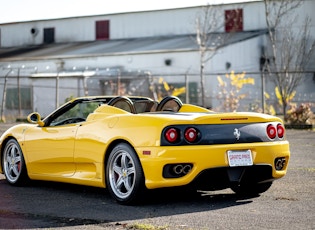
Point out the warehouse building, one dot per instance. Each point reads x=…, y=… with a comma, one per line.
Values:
x=151, y=53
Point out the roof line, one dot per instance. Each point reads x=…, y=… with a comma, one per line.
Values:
x=6, y=56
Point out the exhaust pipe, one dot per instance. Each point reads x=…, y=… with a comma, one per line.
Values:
x=280, y=163
x=178, y=169
x=186, y=169
x=182, y=169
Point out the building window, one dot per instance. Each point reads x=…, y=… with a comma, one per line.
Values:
x=234, y=20
x=102, y=30
x=12, y=98
x=49, y=35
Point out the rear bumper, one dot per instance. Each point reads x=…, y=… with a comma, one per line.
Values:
x=206, y=157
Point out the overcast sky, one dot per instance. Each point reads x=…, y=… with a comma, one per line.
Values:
x=27, y=10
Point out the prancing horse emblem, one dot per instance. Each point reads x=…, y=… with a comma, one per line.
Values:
x=237, y=134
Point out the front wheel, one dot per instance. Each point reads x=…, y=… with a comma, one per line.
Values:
x=13, y=163
x=124, y=175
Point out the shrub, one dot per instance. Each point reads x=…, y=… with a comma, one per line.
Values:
x=299, y=114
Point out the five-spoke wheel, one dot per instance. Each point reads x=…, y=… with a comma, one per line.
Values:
x=124, y=175
x=13, y=163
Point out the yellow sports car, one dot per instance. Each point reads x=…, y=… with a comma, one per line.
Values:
x=131, y=144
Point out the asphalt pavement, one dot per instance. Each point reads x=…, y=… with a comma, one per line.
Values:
x=288, y=204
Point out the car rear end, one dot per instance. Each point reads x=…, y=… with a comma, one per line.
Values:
x=217, y=151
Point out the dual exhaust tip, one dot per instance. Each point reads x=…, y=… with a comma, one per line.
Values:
x=182, y=169
x=280, y=163
x=176, y=170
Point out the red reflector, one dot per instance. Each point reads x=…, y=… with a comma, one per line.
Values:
x=171, y=135
x=146, y=152
x=280, y=130
x=271, y=131
x=191, y=134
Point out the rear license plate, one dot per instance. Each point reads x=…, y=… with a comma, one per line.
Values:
x=240, y=158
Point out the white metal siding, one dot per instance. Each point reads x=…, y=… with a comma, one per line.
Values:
x=125, y=25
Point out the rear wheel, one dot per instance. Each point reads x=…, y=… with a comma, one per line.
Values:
x=251, y=189
x=124, y=175
x=13, y=163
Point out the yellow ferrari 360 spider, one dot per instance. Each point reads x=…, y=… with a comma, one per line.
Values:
x=131, y=144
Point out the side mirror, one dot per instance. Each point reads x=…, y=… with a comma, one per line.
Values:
x=35, y=118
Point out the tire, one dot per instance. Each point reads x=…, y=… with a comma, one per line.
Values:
x=251, y=189
x=124, y=175
x=14, y=167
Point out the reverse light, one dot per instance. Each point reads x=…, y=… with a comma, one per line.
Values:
x=271, y=131
x=172, y=135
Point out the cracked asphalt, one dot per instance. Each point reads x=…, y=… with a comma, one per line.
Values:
x=288, y=204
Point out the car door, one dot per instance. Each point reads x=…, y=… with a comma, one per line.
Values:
x=49, y=150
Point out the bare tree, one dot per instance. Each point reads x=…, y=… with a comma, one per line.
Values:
x=210, y=38
x=206, y=24
x=291, y=47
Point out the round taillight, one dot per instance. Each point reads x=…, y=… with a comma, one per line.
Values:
x=171, y=135
x=191, y=134
x=280, y=130
x=271, y=131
